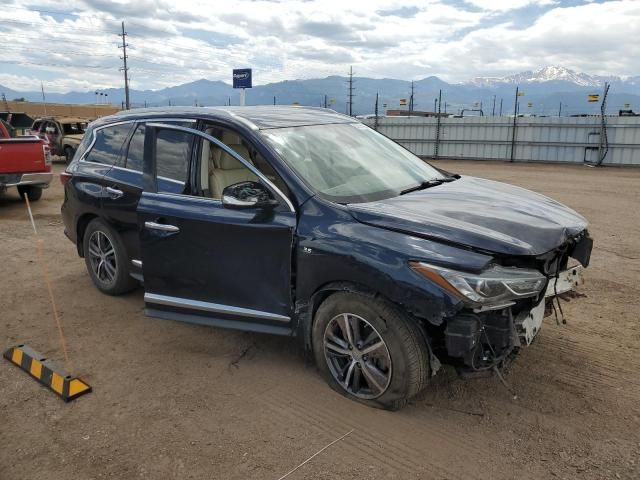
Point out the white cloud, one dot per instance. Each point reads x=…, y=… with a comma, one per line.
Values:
x=503, y=5
x=73, y=45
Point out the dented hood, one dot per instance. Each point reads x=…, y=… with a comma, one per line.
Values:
x=477, y=213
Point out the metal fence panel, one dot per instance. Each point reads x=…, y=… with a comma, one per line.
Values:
x=538, y=139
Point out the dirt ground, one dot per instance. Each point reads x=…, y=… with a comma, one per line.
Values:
x=174, y=401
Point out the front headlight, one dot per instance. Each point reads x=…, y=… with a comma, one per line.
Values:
x=493, y=285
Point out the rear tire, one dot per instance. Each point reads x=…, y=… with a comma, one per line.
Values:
x=68, y=154
x=32, y=193
x=390, y=374
x=106, y=259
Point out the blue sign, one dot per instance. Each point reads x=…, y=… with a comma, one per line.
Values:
x=242, y=78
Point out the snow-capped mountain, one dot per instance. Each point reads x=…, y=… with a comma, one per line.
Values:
x=545, y=74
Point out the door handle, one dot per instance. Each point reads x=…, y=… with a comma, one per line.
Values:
x=161, y=226
x=114, y=192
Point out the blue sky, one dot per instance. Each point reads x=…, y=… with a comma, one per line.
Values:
x=72, y=45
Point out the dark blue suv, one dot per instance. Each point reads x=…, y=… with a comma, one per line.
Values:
x=303, y=222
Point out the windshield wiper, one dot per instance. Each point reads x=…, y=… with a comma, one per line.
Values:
x=423, y=185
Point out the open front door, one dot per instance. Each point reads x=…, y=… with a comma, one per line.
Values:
x=204, y=261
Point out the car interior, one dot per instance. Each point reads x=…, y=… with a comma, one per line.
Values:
x=219, y=170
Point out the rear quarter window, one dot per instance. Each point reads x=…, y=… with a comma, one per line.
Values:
x=84, y=144
x=109, y=141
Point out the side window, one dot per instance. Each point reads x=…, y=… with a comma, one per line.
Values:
x=173, y=150
x=135, y=153
x=84, y=144
x=224, y=170
x=108, y=145
x=221, y=170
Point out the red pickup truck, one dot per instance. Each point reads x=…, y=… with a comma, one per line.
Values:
x=25, y=163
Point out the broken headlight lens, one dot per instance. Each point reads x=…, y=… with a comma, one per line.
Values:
x=493, y=285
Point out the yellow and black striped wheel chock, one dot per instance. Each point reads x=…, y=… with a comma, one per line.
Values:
x=47, y=373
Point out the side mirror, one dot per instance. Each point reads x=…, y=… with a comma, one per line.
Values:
x=247, y=195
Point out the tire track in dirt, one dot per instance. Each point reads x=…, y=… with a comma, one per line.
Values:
x=286, y=410
x=613, y=359
x=389, y=455
x=583, y=367
x=364, y=450
x=406, y=437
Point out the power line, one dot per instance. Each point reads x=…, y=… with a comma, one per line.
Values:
x=46, y=24
x=20, y=48
x=20, y=62
x=66, y=40
x=52, y=12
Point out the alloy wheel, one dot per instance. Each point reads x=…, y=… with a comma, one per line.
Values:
x=357, y=356
x=103, y=257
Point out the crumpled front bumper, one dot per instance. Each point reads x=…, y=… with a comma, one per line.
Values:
x=528, y=323
x=40, y=179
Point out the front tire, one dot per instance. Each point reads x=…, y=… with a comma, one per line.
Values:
x=370, y=351
x=106, y=259
x=32, y=193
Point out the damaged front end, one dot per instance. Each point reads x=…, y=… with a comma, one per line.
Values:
x=504, y=305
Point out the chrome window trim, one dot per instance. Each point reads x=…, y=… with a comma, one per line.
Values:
x=217, y=201
x=122, y=122
x=231, y=152
x=212, y=307
x=127, y=169
x=172, y=180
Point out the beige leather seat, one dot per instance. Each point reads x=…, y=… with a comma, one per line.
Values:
x=227, y=170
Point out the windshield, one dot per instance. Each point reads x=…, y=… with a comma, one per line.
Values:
x=349, y=162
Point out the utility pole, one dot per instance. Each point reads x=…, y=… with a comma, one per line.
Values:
x=493, y=110
x=411, y=101
x=513, y=133
x=375, y=124
x=501, y=107
x=350, y=102
x=560, y=110
x=437, y=142
x=274, y=99
x=44, y=102
x=125, y=69
x=325, y=101
x=603, y=146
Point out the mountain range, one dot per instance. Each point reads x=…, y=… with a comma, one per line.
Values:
x=544, y=90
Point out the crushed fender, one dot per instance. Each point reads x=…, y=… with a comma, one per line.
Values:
x=47, y=373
